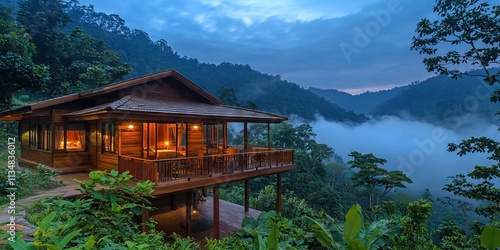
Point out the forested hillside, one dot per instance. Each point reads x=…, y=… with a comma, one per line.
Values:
x=268, y=92
x=438, y=100
x=442, y=100
x=363, y=103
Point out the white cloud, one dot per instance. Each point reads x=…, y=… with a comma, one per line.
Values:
x=251, y=11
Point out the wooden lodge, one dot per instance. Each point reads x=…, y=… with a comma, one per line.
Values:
x=161, y=127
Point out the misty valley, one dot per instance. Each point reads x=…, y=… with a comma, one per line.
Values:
x=177, y=153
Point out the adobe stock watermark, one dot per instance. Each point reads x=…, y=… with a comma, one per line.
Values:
x=454, y=117
x=363, y=35
x=11, y=187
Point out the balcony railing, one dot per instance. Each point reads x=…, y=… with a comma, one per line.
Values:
x=189, y=167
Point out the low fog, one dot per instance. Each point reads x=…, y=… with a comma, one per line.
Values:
x=419, y=149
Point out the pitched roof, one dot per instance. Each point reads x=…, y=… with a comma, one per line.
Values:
x=211, y=107
x=131, y=104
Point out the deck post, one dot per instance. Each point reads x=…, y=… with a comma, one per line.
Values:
x=278, y=193
x=247, y=194
x=188, y=212
x=245, y=137
x=145, y=218
x=216, y=213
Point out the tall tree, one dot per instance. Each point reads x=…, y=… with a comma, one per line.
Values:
x=472, y=27
x=44, y=20
x=76, y=61
x=17, y=69
x=375, y=181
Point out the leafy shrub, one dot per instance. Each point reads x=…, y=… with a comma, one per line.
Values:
x=106, y=215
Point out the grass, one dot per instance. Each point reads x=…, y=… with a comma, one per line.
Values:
x=29, y=182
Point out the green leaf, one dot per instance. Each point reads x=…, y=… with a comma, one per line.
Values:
x=490, y=237
x=95, y=175
x=20, y=244
x=61, y=244
x=354, y=222
x=45, y=223
x=97, y=195
x=273, y=238
x=90, y=242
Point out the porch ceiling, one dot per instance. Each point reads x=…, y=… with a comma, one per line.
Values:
x=131, y=107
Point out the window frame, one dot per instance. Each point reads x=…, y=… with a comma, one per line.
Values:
x=65, y=137
x=108, y=129
x=44, y=137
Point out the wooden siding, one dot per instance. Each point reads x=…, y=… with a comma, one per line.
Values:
x=32, y=154
x=71, y=159
x=57, y=115
x=195, y=140
x=168, y=89
x=130, y=143
x=95, y=141
x=99, y=159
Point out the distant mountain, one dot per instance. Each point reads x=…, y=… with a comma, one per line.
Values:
x=362, y=103
x=438, y=100
x=268, y=92
x=442, y=100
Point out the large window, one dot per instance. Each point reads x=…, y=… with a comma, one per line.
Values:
x=214, y=136
x=44, y=137
x=70, y=137
x=108, y=137
x=33, y=136
x=160, y=140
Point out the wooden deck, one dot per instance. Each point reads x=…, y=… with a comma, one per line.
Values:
x=194, y=183
x=231, y=216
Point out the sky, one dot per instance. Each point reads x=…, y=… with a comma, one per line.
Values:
x=349, y=45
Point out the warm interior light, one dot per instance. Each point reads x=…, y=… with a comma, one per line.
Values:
x=130, y=126
x=166, y=143
x=195, y=126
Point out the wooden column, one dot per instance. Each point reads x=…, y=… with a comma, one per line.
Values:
x=216, y=213
x=224, y=138
x=145, y=218
x=188, y=212
x=247, y=195
x=245, y=137
x=278, y=193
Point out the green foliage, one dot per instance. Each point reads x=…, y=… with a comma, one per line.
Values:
x=314, y=180
x=375, y=181
x=353, y=234
x=182, y=243
x=17, y=68
x=272, y=231
x=478, y=184
x=292, y=206
x=106, y=213
x=49, y=235
x=86, y=61
x=490, y=237
x=414, y=234
x=472, y=23
x=452, y=236
x=28, y=182
x=227, y=243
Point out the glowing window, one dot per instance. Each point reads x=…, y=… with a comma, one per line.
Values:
x=70, y=137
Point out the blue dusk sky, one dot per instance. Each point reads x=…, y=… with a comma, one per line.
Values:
x=354, y=46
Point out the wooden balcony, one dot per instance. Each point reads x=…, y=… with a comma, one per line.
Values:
x=196, y=172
